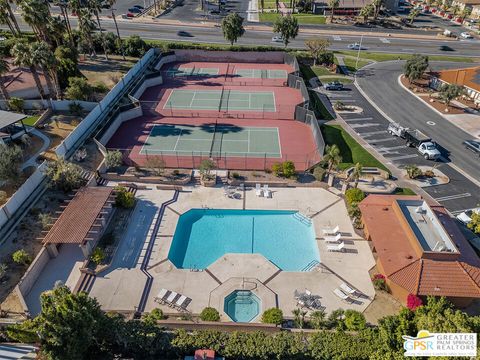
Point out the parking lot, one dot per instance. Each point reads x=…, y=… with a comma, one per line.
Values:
x=456, y=196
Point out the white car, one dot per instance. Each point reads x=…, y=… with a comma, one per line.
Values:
x=277, y=38
x=356, y=46
x=466, y=35
x=466, y=216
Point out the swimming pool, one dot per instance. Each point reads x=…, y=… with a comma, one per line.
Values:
x=286, y=238
x=242, y=306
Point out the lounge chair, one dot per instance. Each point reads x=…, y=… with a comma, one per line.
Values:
x=266, y=192
x=308, y=292
x=333, y=239
x=181, y=301
x=336, y=247
x=330, y=231
x=171, y=299
x=258, y=190
x=162, y=296
x=342, y=295
x=347, y=289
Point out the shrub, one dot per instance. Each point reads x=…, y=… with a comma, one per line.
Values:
x=156, y=165
x=354, y=320
x=379, y=282
x=429, y=173
x=413, y=302
x=16, y=104
x=354, y=196
x=474, y=225
x=209, y=314
x=75, y=108
x=413, y=171
x=206, y=166
x=124, y=198
x=335, y=319
x=3, y=197
x=339, y=105
x=235, y=175
x=64, y=175
x=45, y=220
x=21, y=257
x=113, y=159
x=319, y=173
x=288, y=168
x=97, y=256
x=272, y=316
x=176, y=172
x=277, y=169
x=79, y=89
x=153, y=316
x=10, y=160
x=135, y=46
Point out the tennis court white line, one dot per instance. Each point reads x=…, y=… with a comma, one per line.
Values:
x=228, y=153
x=168, y=99
x=279, y=145
x=248, y=144
x=193, y=98
x=178, y=138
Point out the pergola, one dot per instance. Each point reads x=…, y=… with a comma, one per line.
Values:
x=7, y=119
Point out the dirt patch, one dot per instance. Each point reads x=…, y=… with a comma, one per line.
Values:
x=104, y=71
x=303, y=179
x=440, y=106
x=383, y=305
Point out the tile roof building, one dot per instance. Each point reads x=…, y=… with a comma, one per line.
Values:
x=419, y=249
x=468, y=78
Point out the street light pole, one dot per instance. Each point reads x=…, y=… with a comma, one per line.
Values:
x=358, y=53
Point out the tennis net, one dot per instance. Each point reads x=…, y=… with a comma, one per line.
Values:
x=214, y=137
x=221, y=99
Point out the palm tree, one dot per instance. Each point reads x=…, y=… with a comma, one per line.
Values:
x=377, y=4
x=466, y=12
x=413, y=14
x=366, y=11
x=95, y=6
x=332, y=156
x=317, y=319
x=86, y=26
x=111, y=3
x=36, y=13
x=4, y=68
x=22, y=56
x=8, y=18
x=455, y=9
x=356, y=174
x=43, y=56
x=333, y=5
x=64, y=5
x=299, y=317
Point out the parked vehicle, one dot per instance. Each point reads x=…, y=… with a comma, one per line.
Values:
x=139, y=7
x=466, y=35
x=466, y=216
x=334, y=85
x=135, y=10
x=473, y=145
x=277, y=38
x=416, y=139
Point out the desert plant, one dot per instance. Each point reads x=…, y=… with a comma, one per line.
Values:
x=97, y=256
x=16, y=104
x=339, y=105
x=176, y=172
x=45, y=220
x=209, y=314
x=206, y=166
x=124, y=198
x=113, y=159
x=10, y=160
x=272, y=316
x=3, y=197
x=235, y=175
x=354, y=196
x=288, y=169
x=354, y=320
x=21, y=257
x=277, y=169
x=156, y=165
x=379, y=282
x=153, y=316
x=64, y=175
x=75, y=108
x=317, y=319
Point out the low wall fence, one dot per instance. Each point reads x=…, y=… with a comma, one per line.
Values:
x=219, y=326
x=273, y=57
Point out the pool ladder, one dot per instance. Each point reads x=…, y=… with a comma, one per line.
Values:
x=302, y=218
x=248, y=282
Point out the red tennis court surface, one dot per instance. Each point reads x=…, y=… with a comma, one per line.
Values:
x=295, y=138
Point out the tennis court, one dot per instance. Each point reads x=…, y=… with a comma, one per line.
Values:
x=192, y=71
x=223, y=100
x=261, y=74
x=213, y=140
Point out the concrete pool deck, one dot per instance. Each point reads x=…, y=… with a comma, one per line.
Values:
x=141, y=267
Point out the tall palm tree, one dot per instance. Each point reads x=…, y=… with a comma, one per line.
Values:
x=356, y=174
x=86, y=27
x=8, y=18
x=455, y=9
x=36, y=13
x=334, y=4
x=377, y=4
x=332, y=156
x=466, y=12
x=63, y=5
x=43, y=56
x=4, y=68
x=366, y=12
x=111, y=3
x=22, y=56
x=299, y=317
x=317, y=319
x=95, y=6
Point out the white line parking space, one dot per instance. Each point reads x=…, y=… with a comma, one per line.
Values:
x=358, y=119
x=408, y=156
x=354, y=126
x=453, y=197
x=373, y=141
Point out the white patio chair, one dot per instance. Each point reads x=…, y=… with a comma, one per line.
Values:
x=308, y=292
x=336, y=247
x=266, y=192
x=330, y=231
x=171, y=298
x=258, y=190
x=181, y=300
x=162, y=295
x=333, y=239
x=347, y=289
x=340, y=294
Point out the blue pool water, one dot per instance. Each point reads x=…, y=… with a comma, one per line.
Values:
x=242, y=306
x=286, y=238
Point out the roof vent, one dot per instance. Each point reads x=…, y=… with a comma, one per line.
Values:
x=420, y=210
x=408, y=256
x=385, y=209
x=436, y=288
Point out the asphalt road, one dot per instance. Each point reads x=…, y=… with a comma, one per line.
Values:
x=459, y=194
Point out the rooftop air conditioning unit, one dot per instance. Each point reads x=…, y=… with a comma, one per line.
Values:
x=420, y=210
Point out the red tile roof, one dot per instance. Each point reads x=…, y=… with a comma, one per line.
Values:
x=464, y=77
x=204, y=355
x=76, y=220
x=455, y=277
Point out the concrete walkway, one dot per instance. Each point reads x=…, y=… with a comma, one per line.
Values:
x=46, y=143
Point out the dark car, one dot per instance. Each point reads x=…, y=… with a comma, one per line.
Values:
x=473, y=145
x=135, y=10
x=446, y=48
x=334, y=85
x=139, y=7
x=184, y=33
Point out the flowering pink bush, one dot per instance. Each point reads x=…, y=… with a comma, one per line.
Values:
x=379, y=282
x=413, y=301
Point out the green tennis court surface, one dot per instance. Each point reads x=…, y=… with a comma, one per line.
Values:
x=209, y=140
x=221, y=100
x=261, y=74
x=187, y=71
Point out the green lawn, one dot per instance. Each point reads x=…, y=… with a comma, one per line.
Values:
x=390, y=56
x=309, y=72
x=302, y=18
x=351, y=151
x=343, y=80
x=404, y=191
x=352, y=65
x=31, y=120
